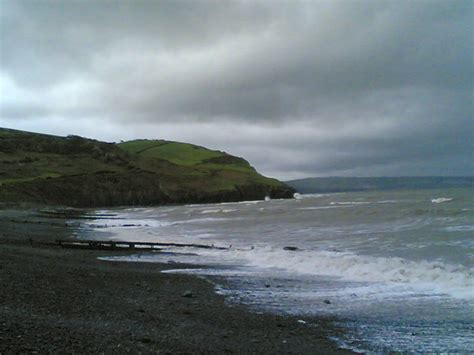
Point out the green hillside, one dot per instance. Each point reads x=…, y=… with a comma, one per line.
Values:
x=178, y=153
x=186, y=154
x=75, y=171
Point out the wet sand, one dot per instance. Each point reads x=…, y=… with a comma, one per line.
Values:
x=65, y=300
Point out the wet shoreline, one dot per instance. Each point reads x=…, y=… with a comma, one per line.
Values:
x=57, y=299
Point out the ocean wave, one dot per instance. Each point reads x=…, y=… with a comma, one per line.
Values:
x=350, y=203
x=225, y=210
x=210, y=211
x=433, y=277
x=467, y=228
x=441, y=199
x=321, y=195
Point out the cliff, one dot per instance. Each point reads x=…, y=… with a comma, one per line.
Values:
x=79, y=172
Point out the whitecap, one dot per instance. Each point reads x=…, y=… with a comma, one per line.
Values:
x=210, y=211
x=441, y=199
x=467, y=228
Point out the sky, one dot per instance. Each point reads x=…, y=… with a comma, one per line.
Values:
x=298, y=88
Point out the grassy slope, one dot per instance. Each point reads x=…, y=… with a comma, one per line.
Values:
x=82, y=172
x=186, y=154
x=178, y=153
x=27, y=156
x=201, y=159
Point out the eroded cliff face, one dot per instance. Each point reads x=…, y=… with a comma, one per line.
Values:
x=79, y=172
x=112, y=189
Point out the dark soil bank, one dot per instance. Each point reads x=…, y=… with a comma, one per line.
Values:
x=63, y=300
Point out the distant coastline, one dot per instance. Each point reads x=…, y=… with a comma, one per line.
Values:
x=351, y=184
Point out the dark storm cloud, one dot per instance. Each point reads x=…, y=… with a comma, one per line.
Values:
x=299, y=88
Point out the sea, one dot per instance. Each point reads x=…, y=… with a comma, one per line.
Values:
x=393, y=268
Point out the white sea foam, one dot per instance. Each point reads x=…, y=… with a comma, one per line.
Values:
x=320, y=195
x=210, y=211
x=349, y=203
x=239, y=203
x=431, y=277
x=441, y=199
x=466, y=228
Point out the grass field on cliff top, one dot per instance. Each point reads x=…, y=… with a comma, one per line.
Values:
x=186, y=154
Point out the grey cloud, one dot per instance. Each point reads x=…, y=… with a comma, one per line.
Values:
x=55, y=38
x=332, y=87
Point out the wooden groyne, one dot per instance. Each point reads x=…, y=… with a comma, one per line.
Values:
x=126, y=245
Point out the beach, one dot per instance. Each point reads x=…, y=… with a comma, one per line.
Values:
x=67, y=300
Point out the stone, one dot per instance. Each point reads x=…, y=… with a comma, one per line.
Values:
x=187, y=294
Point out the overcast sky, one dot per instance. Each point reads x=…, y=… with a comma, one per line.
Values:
x=299, y=88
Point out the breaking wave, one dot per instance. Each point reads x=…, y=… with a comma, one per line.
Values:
x=467, y=228
x=441, y=199
x=426, y=276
